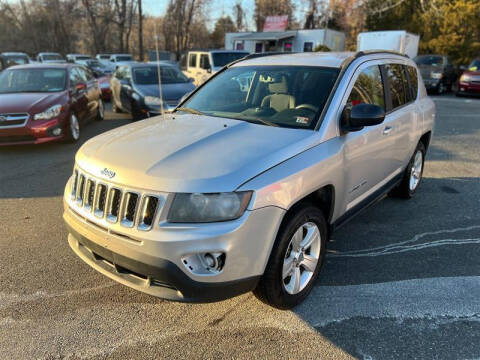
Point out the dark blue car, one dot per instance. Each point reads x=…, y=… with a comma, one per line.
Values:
x=135, y=89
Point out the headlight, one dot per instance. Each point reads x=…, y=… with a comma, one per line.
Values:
x=436, y=75
x=52, y=112
x=202, y=208
x=153, y=100
x=465, y=78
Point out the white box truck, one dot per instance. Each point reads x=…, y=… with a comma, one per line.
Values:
x=397, y=40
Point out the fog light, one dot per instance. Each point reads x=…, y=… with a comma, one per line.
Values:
x=57, y=132
x=210, y=263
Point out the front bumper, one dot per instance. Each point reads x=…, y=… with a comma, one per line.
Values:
x=468, y=88
x=34, y=132
x=153, y=264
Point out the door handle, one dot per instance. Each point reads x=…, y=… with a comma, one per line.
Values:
x=387, y=130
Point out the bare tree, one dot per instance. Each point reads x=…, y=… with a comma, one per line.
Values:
x=140, y=31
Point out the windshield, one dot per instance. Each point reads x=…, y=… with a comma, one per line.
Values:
x=51, y=57
x=32, y=80
x=475, y=65
x=124, y=58
x=432, y=60
x=287, y=96
x=149, y=75
x=221, y=59
x=93, y=63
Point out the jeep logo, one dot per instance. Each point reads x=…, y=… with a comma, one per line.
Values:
x=108, y=173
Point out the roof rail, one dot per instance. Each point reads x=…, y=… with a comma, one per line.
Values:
x=370, y=52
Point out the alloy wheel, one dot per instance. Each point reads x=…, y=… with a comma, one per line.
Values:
x=416, y=171
x=74, y=127
x=301, y=258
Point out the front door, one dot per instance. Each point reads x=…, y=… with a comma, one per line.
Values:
x=368, y=152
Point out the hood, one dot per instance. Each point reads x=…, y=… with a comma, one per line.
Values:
x=29, y=102
x=191, y=153
x=170, y=91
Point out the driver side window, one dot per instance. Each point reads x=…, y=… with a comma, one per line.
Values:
x=368, y=88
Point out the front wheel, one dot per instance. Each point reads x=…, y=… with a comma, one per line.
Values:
x=73, y=129
x=100, y=110
x=296, y=259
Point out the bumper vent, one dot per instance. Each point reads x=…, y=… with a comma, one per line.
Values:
x=129, y=208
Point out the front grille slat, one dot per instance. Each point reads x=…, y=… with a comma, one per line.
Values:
x=129, y=209
x=113, y=204
x=100, y=200
x=113, y=208
x=13, y=120
x=148, y=211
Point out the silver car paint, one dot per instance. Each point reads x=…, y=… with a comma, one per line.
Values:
x=280, y=165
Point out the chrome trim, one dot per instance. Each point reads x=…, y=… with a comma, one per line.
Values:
x=110, y=217
x=126, y=198
x=15, y=117
x=146, y=198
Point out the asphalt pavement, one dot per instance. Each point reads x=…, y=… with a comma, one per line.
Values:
x=400, y=281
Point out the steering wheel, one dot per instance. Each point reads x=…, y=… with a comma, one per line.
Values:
x=307, y=107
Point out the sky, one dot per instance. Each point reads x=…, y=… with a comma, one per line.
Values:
x=216, y=9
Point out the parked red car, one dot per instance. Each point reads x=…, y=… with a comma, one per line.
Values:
x=41, y=103
x=469, y=82
x=104, y=83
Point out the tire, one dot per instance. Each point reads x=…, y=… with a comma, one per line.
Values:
x=411, y=182
x=115, y=108
x=136, y=113
x=440, y=88
x=73, y=134
x=279, y=291
x=100, y=110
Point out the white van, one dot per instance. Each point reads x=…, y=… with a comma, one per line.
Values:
x=200, y=65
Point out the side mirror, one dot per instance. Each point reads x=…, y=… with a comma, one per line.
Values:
x=209, y=69
x=80, y=87
x=361, y=115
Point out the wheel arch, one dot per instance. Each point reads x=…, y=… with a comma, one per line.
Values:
x=425, y=139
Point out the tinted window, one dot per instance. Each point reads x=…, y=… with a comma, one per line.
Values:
x=192, y=60
x=149, y=75
x=224, y=58
x=412, y=73
x=396, y=81
x=204, y=62
x=287, y=96
x=368, y=88
x=433, y=60
x=75, y=78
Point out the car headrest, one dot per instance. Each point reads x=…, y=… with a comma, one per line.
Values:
x=279, y=87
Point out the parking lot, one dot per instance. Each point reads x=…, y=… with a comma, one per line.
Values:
x=401, y=280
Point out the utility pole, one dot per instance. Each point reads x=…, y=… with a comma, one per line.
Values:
x=140, y=30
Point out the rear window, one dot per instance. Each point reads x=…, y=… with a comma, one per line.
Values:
x=397, y=82
x=412, y=73
x=223, y=58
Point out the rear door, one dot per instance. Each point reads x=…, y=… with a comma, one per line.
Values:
x=402, y=115
x=367, y=152
x=79, y=98
x=92, y=91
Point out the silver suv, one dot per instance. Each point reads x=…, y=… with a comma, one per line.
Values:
x=240, y=187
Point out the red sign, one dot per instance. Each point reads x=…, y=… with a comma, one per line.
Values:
x=275, y=23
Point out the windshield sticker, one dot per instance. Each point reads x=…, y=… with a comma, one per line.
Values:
x=303, y=120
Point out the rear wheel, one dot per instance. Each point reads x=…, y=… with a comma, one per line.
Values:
x=413, y=174
x=296, y=259
x=115, y=108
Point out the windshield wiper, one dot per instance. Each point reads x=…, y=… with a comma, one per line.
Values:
x=189, y=110
x=259, y=121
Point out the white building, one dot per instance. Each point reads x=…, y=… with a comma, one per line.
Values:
x=290, y=40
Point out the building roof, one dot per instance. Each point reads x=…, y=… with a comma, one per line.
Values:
x=327, y=59
x=274, y=35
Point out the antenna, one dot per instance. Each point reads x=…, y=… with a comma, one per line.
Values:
x=158, y=70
